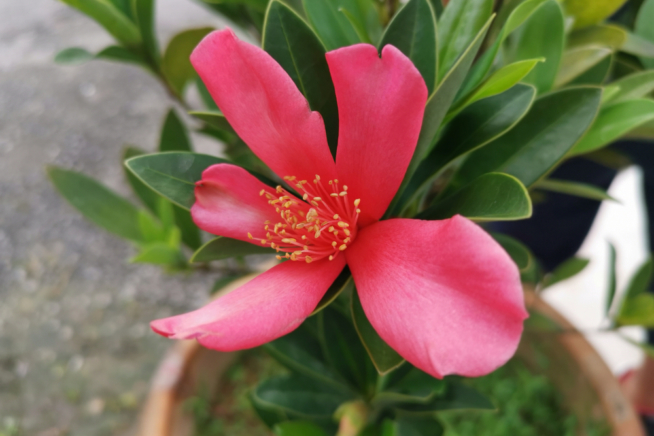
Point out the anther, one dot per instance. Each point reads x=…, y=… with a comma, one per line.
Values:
x=342, y=247
x=357, y=202
x=343, y=224
x=250, y=235
x=308, y=259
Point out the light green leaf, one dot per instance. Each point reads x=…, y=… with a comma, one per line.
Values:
x=331, y=25
x=516, y=249
x=97, y=203
x=224, y=248
x=583, y=190
x=461, y=21
x=630, y=87
x=292, y=43
x=638, y=310
x=566, y=270
x=159, y=253
x=382, y=355
x=111, y=18
x=639, y=46
x=413, y=31
x=73, y=55
x=176, y=65
x=641, y=280
x=144, y=15
x=589, y=12
x=503, y=79
x=601, y=35
x=577, y=61
x=491, y=197
x=174, y=134
x=613, y=122
x=115, y=53
x=644, y=28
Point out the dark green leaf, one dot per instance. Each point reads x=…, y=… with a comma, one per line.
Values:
x=577, y=61
x=595, y=75
x=644, y=28
x=342, y=282
x=144, y=14
x=413, y=31
x=539, y=141
x=149, y=198
x=298, y=428
x=213, y=118
x=457, y=27
x=566, y=270
x=224, y=248
x=408, y=425
x=491, y=197
x=414, y=387
x=613, y=284
x=109, y=17
x=331, y=25
x=614, y=121
x=292, y=43
x=542, y=36
x=382, y=355
x=207, y=99
x=457, y=396
x=190, y=232
x=174, y=135
x=573, y=188
x=176, y=65
x=516, y=249
x=73, y=55
x=97, y=203
x=120, y=54
x=267, y=413
x=173, y=174
x=631, y=87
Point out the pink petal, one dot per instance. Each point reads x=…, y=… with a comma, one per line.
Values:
x=265, y=308
x=227, y=203
x=380, y=108
x=263, y=105
x=443, y=294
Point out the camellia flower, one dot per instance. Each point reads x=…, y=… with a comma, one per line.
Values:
x=443, y=294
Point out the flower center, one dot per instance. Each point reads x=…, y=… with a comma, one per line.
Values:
x=322, y=225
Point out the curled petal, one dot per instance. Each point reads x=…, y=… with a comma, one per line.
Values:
x=380, y=108
x=443, y=294
x=263, y=105
x=265, y=308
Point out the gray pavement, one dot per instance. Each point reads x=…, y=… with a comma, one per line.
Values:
x=76, y=353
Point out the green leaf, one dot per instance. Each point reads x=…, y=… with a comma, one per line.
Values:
x=566, y=270
x=331, y=25
x=602, y=35
x=631, y=87
x=583, y=190
x=644, y=28
x=206, y=97
x=638, y=310
x=641, y=280
x=504, y=79
x=144, y=15
x=224, y=248
x=172, y=174
x=458, y=27
x=147, y=196
x=343, y=349
x=539, y=141
x=176, y=64
x=415, y=386
x=73, y=55
x=174, y=135
x=121, y=54
x=491, y=197
x=577, y=61
x=382, y=355
x=587, y=12
x=292, y=43
x=408, y=425
x=613, y=122
x=516, y=249
x=542, y=36
x=213, y=118
x=639, y=46
x=457, y=396
x=413, y=31
x=97, y=203
x=159, y=253
x=595, y=75
x=109, y=17
x=613, y=283
x=300, y=396
x=298, y=428
x=190, y=232
x=343, y=281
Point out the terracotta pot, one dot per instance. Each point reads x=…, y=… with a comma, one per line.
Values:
x=550, y=345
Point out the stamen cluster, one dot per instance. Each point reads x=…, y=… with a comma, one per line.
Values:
x=321, y=225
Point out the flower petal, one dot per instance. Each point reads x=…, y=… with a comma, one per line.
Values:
x=227, y=203
x=443, y=294
x=380, y=107
x=263, y=105
x=265, y=308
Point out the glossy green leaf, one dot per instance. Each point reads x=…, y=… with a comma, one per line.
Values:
x=176, y=64
x=214, y=118
x=602, y=35
x=644, y=28
x=539, y=141
x=583, y=190
x=413, y=31
x=587, y=12
x=491, y=197
x=408, y=425
x=111, y=18
x=415, y=386
x=504, y=79
x=292, y=43
x=613, y=283
x=577, y=61
x=477, y=125
x=298, y=428
x=73, y=55
x=343, y=282
x=144, y=15
x=300, y=396
x=613, y=122
x=331, y=25
x=301, y=352
x=382, y=355
x=516, y=249
x=172, y=174
x=224, y=248
x=457, y=396
x=566, y=270
x=542, y=36
x=631, y=87
x=147, y=196
x=97, y=203
x=174, y=134
x=461, y=21
x=595, y=75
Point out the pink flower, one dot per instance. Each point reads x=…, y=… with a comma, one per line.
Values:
x=443, y=294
